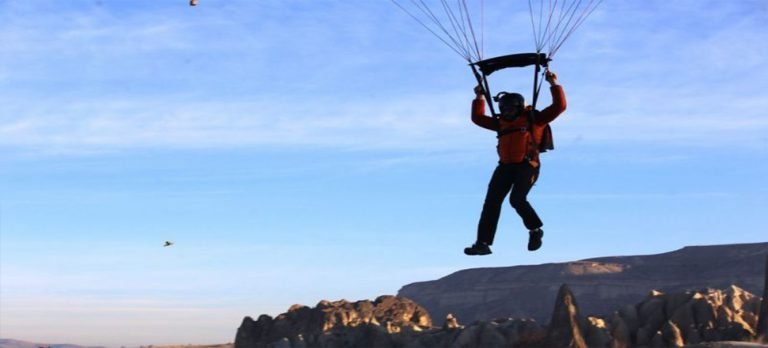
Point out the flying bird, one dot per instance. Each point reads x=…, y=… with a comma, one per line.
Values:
x=167, y=243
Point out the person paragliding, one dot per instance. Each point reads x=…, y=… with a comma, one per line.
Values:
x=521, y=133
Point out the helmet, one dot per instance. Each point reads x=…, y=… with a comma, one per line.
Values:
x=510, y=104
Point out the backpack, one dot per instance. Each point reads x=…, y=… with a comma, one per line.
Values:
x=546, y=143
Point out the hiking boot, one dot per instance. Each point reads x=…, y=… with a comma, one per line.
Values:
x=479, y=248
x=534, y=239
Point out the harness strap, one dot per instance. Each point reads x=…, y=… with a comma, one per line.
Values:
x=510, y=130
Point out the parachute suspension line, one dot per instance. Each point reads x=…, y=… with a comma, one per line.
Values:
x=549, y=28
x=583, y=17
x=455, y=38
x=458, y=25
x=465, y=14
x=536, y=39
x=539, y=29
x=552, y=29
x=560, y=30
x=453, y=25
x=463, y=28
x=541, y=34
x=418, y=20
x=564, y=17
x=482, y=29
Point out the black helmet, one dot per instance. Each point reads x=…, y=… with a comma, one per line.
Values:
x=510, y=103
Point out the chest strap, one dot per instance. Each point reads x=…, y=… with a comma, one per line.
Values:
x=511, y=130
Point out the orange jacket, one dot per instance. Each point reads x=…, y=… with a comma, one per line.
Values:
x=514, y=146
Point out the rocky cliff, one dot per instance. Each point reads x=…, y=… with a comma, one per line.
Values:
x=600, y=284
x=660, y=320
x=336, y=324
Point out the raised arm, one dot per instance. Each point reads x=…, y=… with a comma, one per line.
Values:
x=551, y=112
x=478, y=112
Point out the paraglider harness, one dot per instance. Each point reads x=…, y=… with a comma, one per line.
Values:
x=483, y=68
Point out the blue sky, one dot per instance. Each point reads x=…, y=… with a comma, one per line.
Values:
x=305, y=150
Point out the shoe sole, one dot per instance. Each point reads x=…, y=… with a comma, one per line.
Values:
x=477, y=253
x=536, y=245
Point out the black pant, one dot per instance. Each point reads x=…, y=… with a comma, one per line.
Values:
x=519, y=178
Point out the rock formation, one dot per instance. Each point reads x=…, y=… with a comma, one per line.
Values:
x=692, y=317
x=335, y=324
x=565, y=329
x=762, y=325
x=660, y=320
x=601, y=284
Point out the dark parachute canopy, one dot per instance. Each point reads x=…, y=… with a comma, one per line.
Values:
x=455, y=23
